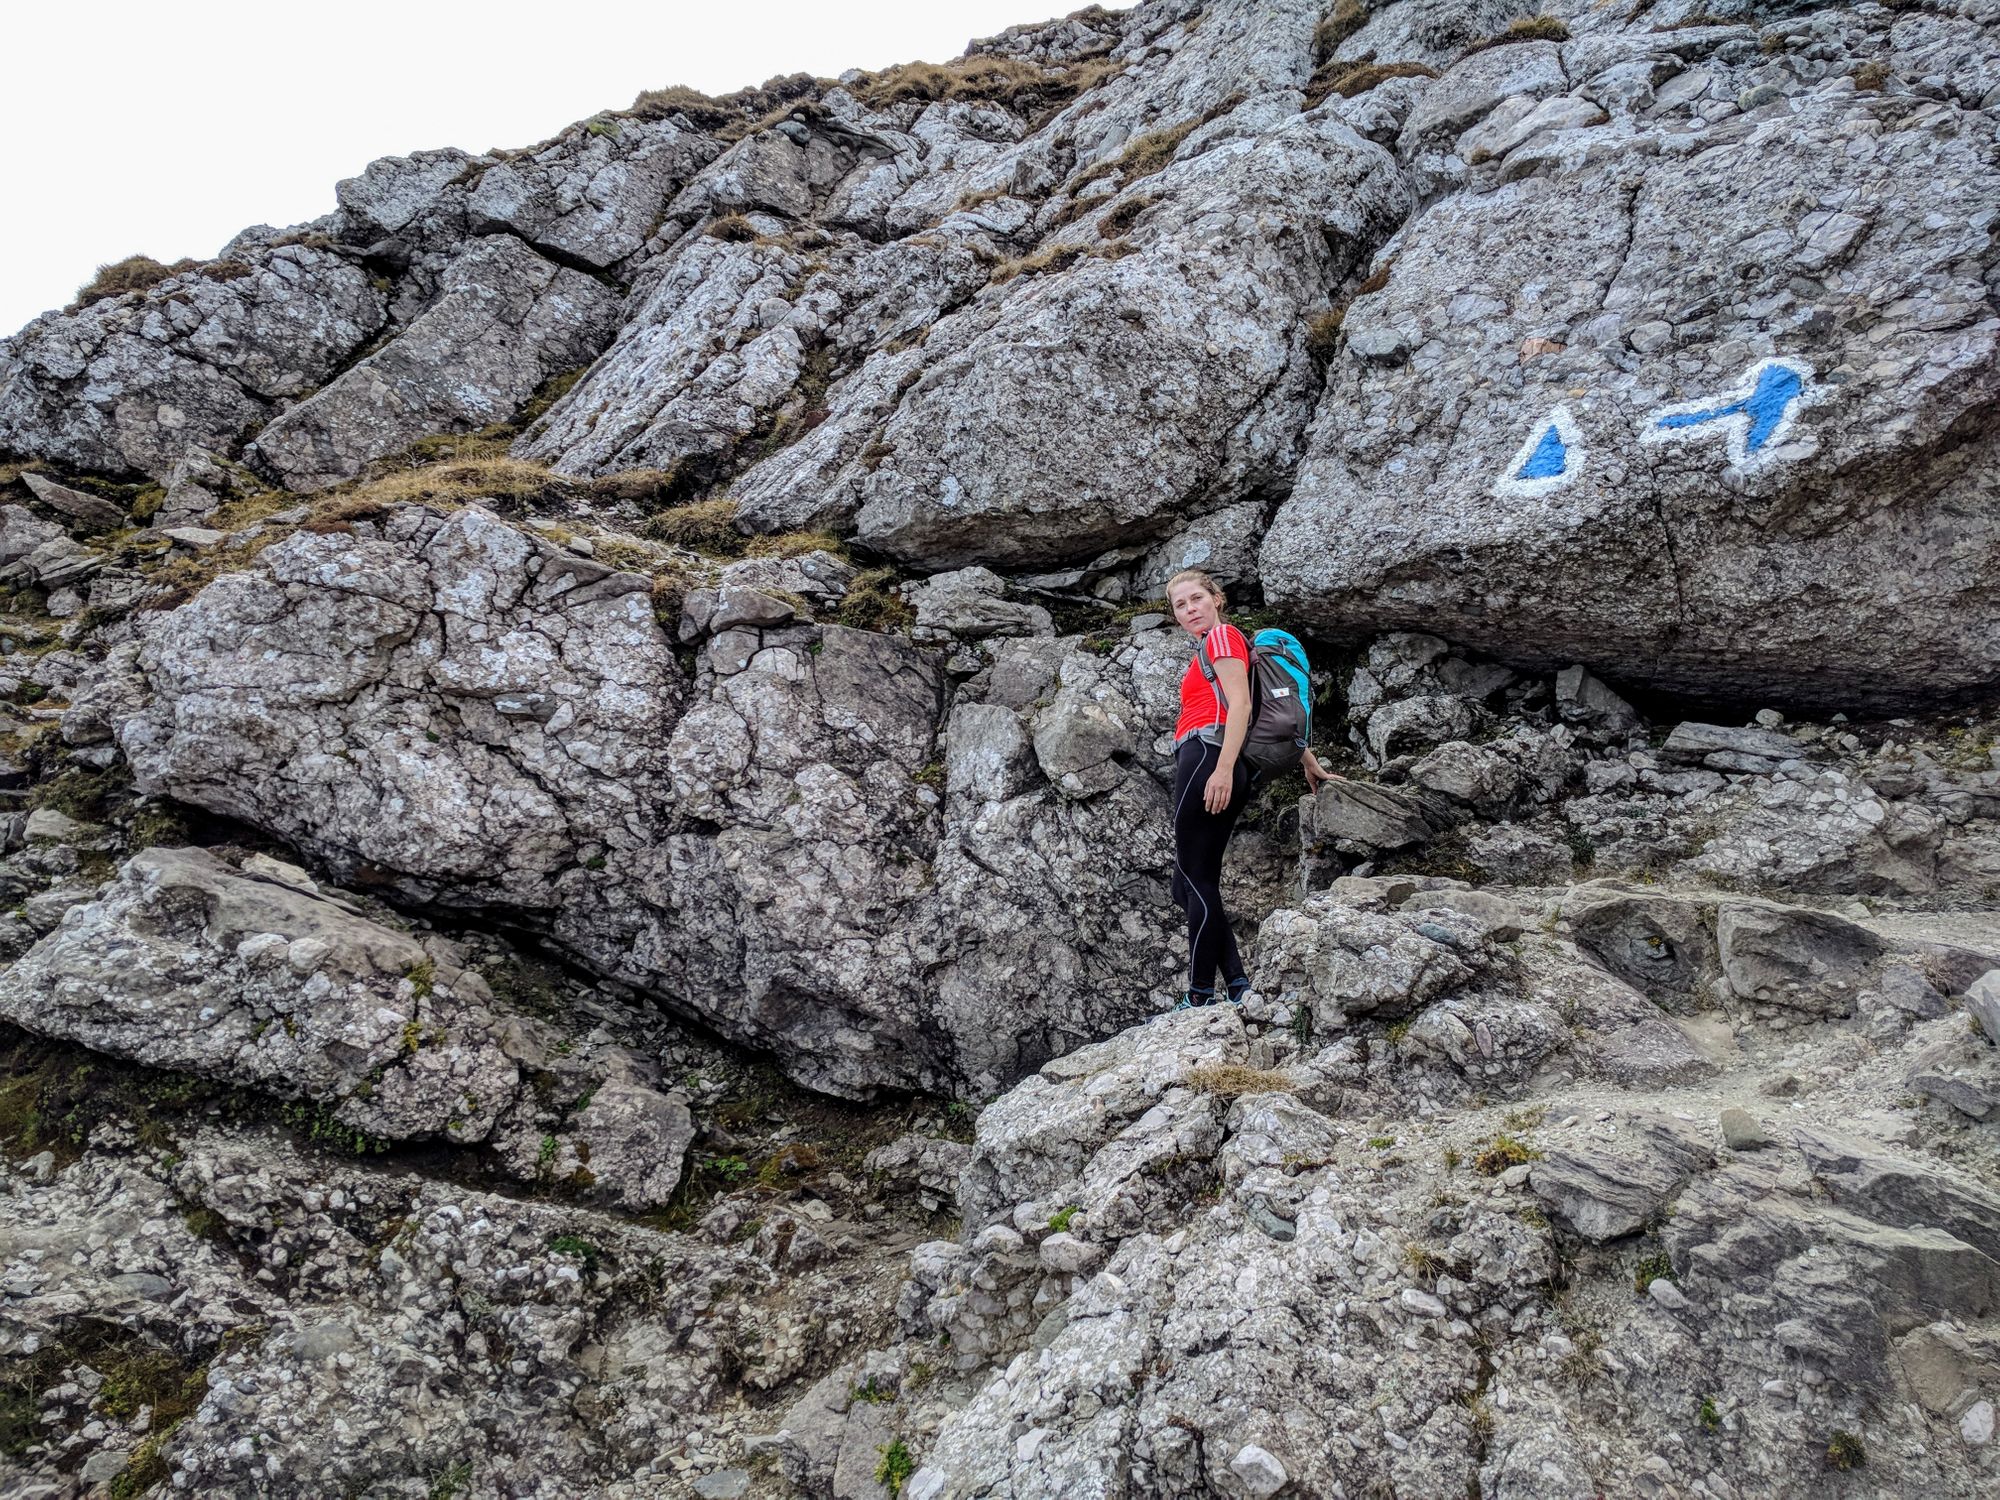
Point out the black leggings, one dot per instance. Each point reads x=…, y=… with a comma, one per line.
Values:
x=1200, y=836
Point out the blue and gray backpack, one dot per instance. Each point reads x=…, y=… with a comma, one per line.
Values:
x=1280, y=700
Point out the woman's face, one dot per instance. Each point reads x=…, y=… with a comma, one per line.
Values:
x=1195, y=607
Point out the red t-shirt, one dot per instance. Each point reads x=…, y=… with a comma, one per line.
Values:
x=1201, y=705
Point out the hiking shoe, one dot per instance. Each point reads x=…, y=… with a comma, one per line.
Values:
x=1191, y=998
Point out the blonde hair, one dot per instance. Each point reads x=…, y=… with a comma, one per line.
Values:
x=1206, y=580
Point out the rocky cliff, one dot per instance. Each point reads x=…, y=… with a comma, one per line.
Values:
x=584, y=743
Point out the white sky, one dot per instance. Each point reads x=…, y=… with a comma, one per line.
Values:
x=162, y=130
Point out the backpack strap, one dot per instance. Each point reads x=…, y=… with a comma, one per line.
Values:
x=1215, y=687
x=1202, y=661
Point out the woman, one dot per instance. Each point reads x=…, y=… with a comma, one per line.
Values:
x=1210, y=783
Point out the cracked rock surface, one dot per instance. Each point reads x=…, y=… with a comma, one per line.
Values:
x=586, y=878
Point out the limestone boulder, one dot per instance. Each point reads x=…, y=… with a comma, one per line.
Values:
x=1703, y=446
x=1010, y=444
x=590, y=197
x=505, y=321
x=123, y=385
x=800, y=845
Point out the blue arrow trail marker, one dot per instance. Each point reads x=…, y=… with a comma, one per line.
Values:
x=1550, y=459
x=1755, y=419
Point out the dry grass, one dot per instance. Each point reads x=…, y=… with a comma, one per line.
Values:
x=703, y=111
x=1323, y=336
x=979, y=199
x=1152, y=151
x=1053, y=258
x=482, y=471
x=236, y=515
x=1506, y=1151
x=650, y=488
x=135, y=273
x=732, y=116
x=1871, y=76
x=1526, y=29
x=872, y=603
x=180, y=579
x=708, y=527
x=1351, y=80
x=1143, y=157
x=1376, y=279
x=1123, y=217
x=1085, y=76
x=988, y=78
x=1230, y=1080
x=546, y=395
x=1346, y=18
x=733, y=228
x=1021, y=86
x=451, y=483
x=806, y=110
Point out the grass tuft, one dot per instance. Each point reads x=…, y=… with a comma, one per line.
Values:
x=1323, y=337
x=896, y=1467
x=1525, y=29
x=987, y=78
x=872, y=603
x=703, y=111
x=1229, y=1080
x=135, y=273
x=733, y=228
x=1340, y=23
x=1844, y=1451
x=1651, y=1268
x=1351, y=80
x=1054, y=258
x=708, y=527
x=1505, y=1151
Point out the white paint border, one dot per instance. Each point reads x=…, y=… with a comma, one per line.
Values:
x=1507, y=487
x=1737, y=428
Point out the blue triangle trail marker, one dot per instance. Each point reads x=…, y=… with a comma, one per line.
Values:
x=1550, y=459
x=1754, y=419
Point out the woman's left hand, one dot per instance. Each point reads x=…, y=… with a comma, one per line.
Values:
x=1221, y=786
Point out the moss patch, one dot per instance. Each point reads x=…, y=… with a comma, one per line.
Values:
x=87, y=796
x=1845, y=1451
x=137, y=1373
x=1651, y=1268
x=54, y=1095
